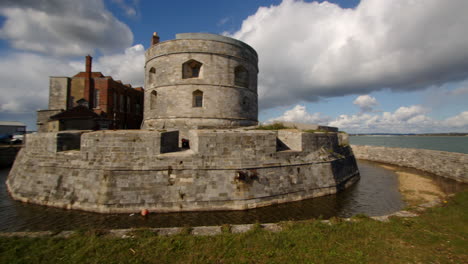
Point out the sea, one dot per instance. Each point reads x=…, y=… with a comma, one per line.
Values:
x=442, y=143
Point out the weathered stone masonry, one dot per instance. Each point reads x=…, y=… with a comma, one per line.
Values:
x=124, y=171
x=226, y=103
x=445, y=164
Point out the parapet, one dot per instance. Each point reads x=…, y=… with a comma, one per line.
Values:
x=215, y=37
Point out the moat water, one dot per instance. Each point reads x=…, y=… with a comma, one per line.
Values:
x=375, y=194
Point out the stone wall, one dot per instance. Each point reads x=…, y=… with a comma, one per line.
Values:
x=445, y=164
x=126, y=171
x=48, y=144
x=58, y=92
x=43, y=119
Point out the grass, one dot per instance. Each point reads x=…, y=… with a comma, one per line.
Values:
x=274, y=126
x=316, y=131
x=439, y=235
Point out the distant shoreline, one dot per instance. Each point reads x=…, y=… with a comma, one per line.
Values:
x=418, y=135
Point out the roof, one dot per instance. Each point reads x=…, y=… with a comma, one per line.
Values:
x=77, y=112
x=11, y=123
x=93, y=75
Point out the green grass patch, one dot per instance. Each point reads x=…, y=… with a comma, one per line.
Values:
x=274, y=126
x=316, y=131
x=437, y=236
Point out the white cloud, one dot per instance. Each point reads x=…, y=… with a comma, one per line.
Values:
x=25, y=83
x=299, y=114
x=127, y=66
x=366, y=103
x=62, y=27
x=406, y=119
x=460, y=120
x=312, y=50
x=25, y=76
x=406, y=113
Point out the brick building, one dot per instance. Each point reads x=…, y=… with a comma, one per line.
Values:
x=90, y=100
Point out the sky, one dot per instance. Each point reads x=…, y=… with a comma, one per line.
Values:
x=369, y=66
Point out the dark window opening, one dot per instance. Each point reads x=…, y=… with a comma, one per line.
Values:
x=198, y=98
x=185, y=143
x=153, y=98
x=152, y=75
x=191, y=69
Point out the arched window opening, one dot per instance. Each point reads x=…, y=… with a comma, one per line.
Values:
x=153, y=98
x=198, y=98
x=191, y=69
x=241, y=76
x=152, y=75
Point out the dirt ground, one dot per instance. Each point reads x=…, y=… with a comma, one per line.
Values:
x=415, y=188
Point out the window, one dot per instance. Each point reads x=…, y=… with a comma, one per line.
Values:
x=191, y=69
x=241, y=76
x=138, y=109
x=129, y=109
x=71, y=102
x=122, y=103
x=198, y=98
x=152, y=75
x=96, y=98
x=115, y=102
x=153, y=99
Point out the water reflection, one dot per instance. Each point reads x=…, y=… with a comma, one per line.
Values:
x=375, y=194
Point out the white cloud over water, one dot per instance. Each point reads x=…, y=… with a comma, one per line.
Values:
x=366, y=103
x=299, y=114
x=405, y=119
x=310, y=50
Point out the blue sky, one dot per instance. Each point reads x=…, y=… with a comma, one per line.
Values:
x=365, y=66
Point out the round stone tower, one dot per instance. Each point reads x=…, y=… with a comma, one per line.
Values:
x=200, y=80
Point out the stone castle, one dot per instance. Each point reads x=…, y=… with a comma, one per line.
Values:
x=199, y=147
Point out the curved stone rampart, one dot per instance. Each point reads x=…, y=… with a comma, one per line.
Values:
x=445, y=164
x=125, y=171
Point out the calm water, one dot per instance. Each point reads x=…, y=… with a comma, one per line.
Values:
x=451, y=144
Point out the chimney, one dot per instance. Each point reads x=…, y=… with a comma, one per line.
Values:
x=155, y=39
x=89, y=62
x=88, y=89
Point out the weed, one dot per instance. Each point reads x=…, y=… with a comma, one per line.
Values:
x=274, y=126
x=226, y=228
